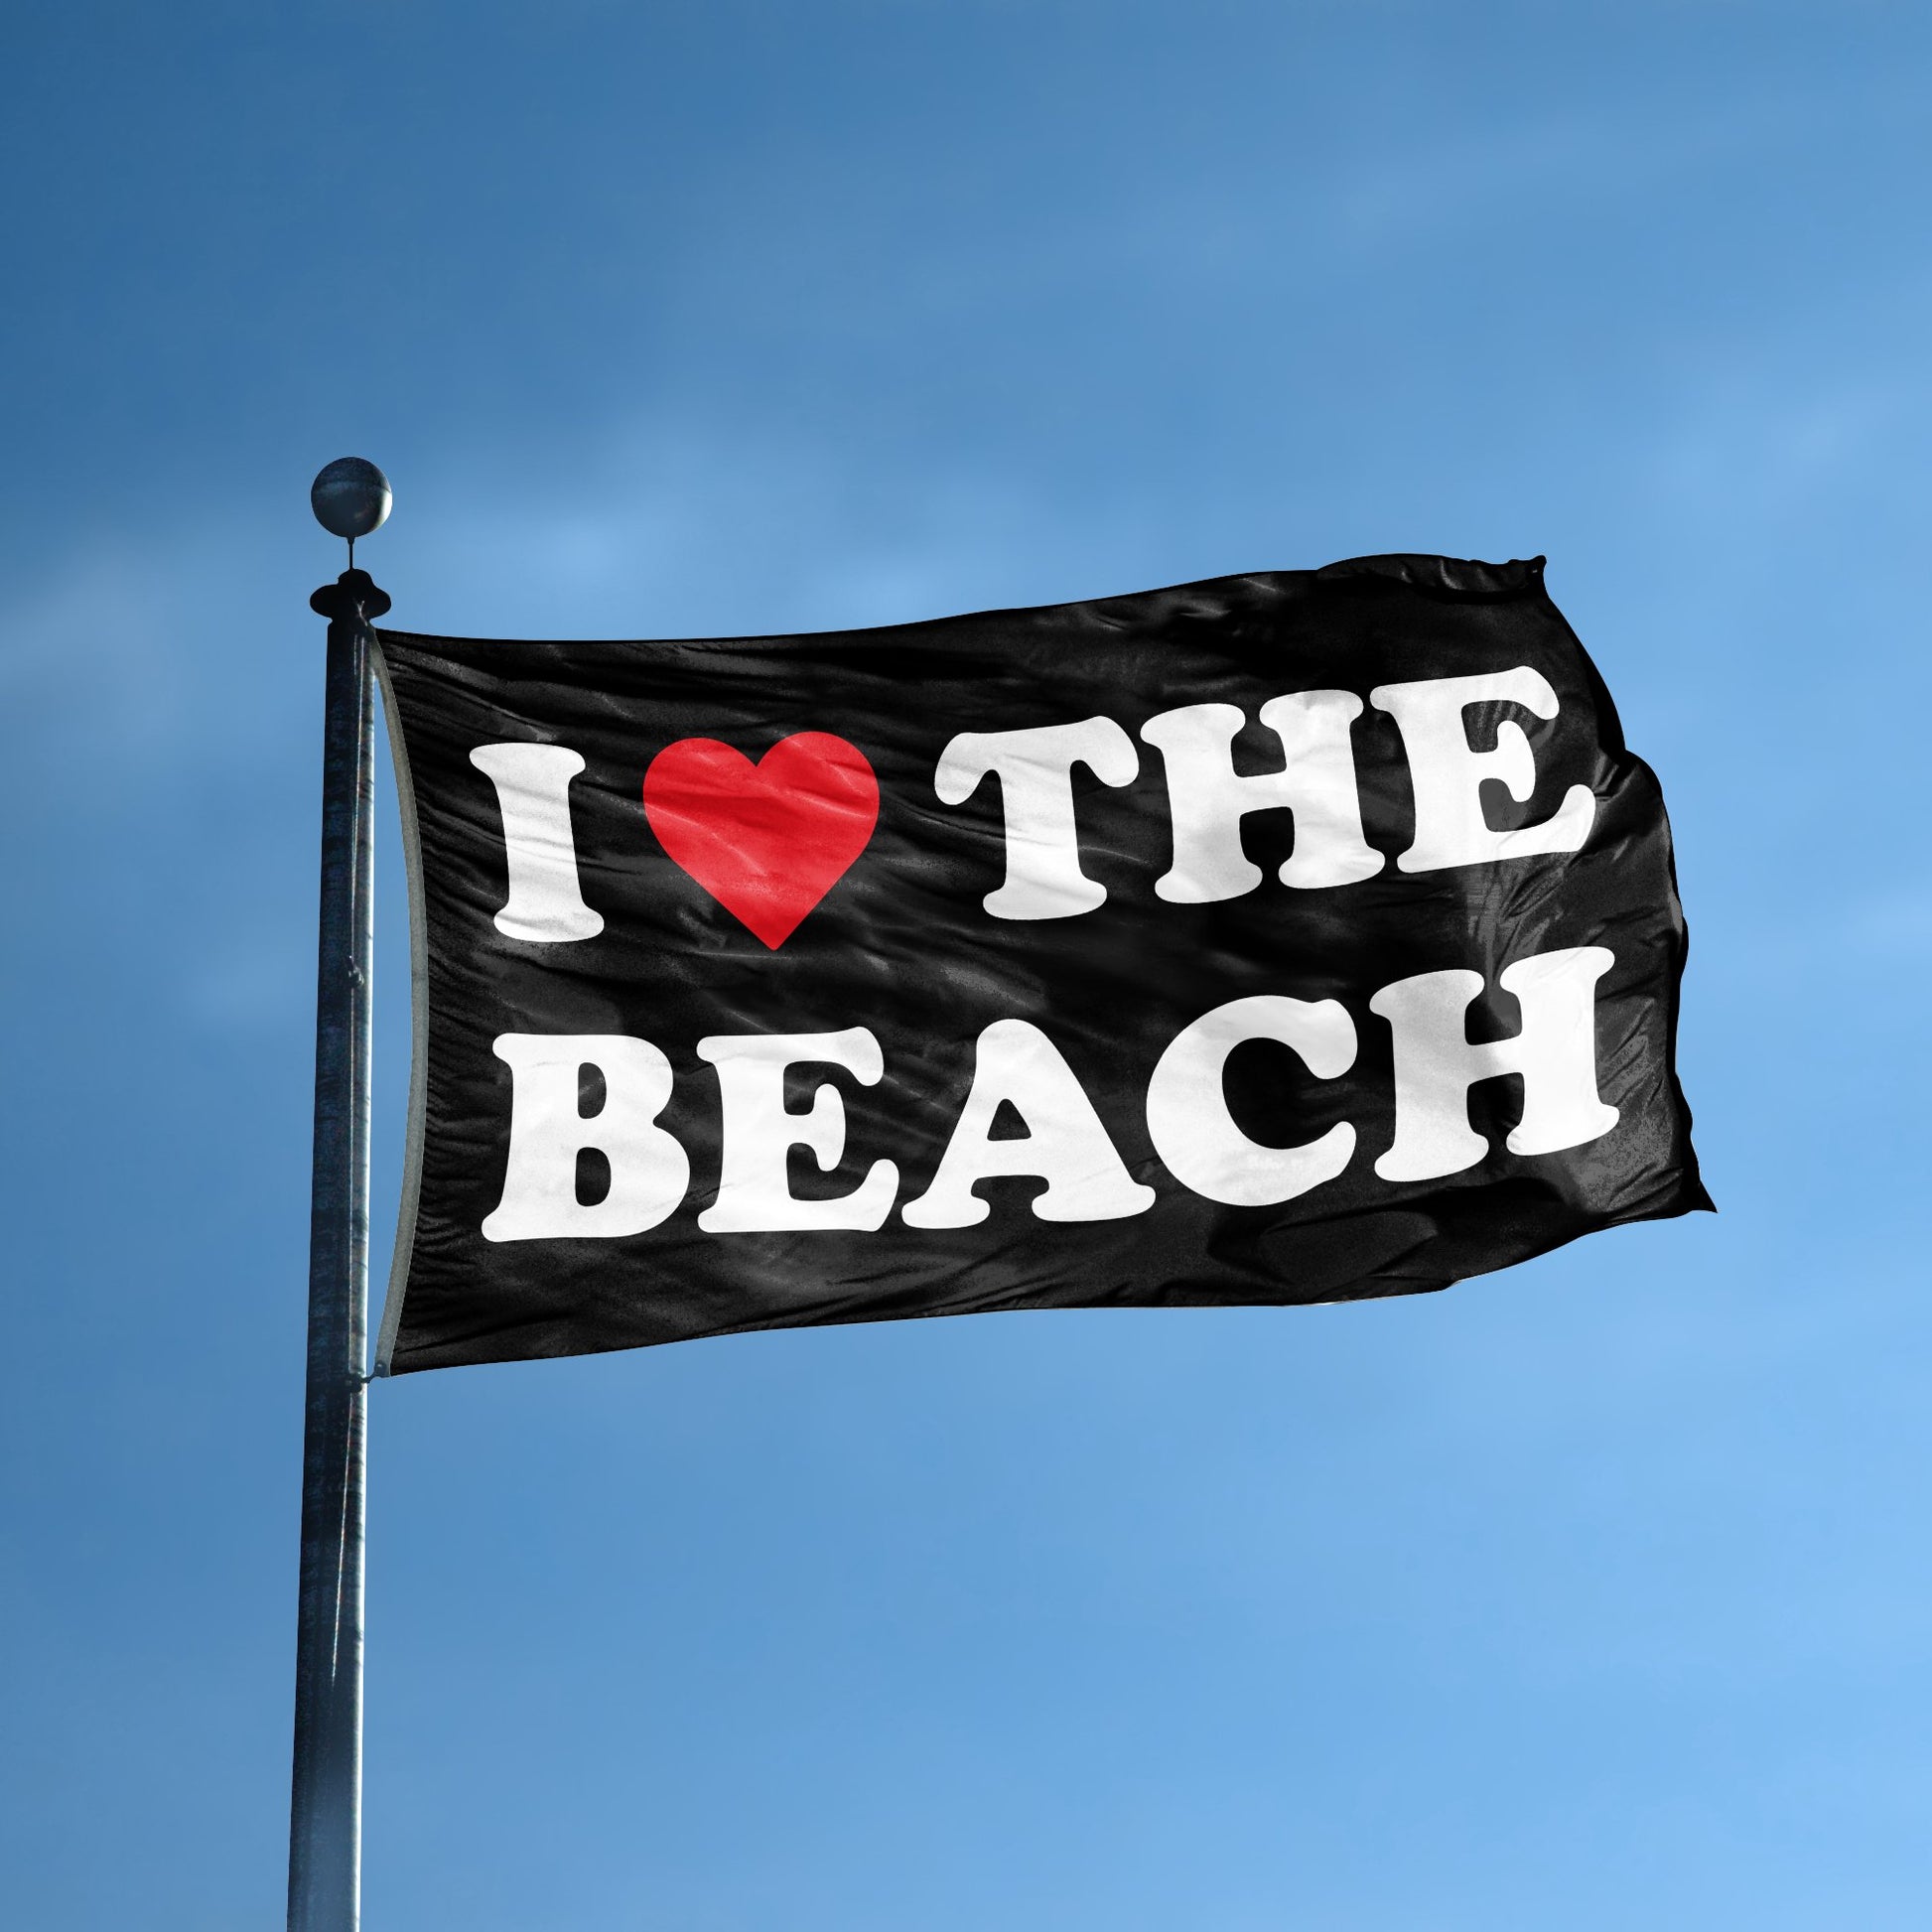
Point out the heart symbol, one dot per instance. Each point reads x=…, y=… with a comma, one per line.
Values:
x=768, y=841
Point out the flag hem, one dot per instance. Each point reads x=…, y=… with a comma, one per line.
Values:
x=412, y=1165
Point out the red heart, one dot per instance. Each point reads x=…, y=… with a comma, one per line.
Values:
x=766, y=841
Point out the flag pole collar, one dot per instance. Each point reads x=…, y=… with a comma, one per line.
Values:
x=354, y=598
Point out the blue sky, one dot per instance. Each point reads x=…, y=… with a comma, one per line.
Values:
x=1595, y=1594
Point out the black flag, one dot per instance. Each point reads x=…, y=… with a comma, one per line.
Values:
x=1291, y=937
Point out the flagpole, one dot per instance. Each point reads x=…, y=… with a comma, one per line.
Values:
x=325, y=1810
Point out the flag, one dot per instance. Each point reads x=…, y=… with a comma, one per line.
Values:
x=1293, y=937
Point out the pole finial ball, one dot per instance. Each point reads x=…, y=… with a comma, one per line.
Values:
x=351, y=498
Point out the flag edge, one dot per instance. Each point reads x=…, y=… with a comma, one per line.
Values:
x=407, y=1206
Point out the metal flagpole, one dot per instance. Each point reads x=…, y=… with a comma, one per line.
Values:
x=350, y=498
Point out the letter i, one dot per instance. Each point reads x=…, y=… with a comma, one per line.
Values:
x=533, y=793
